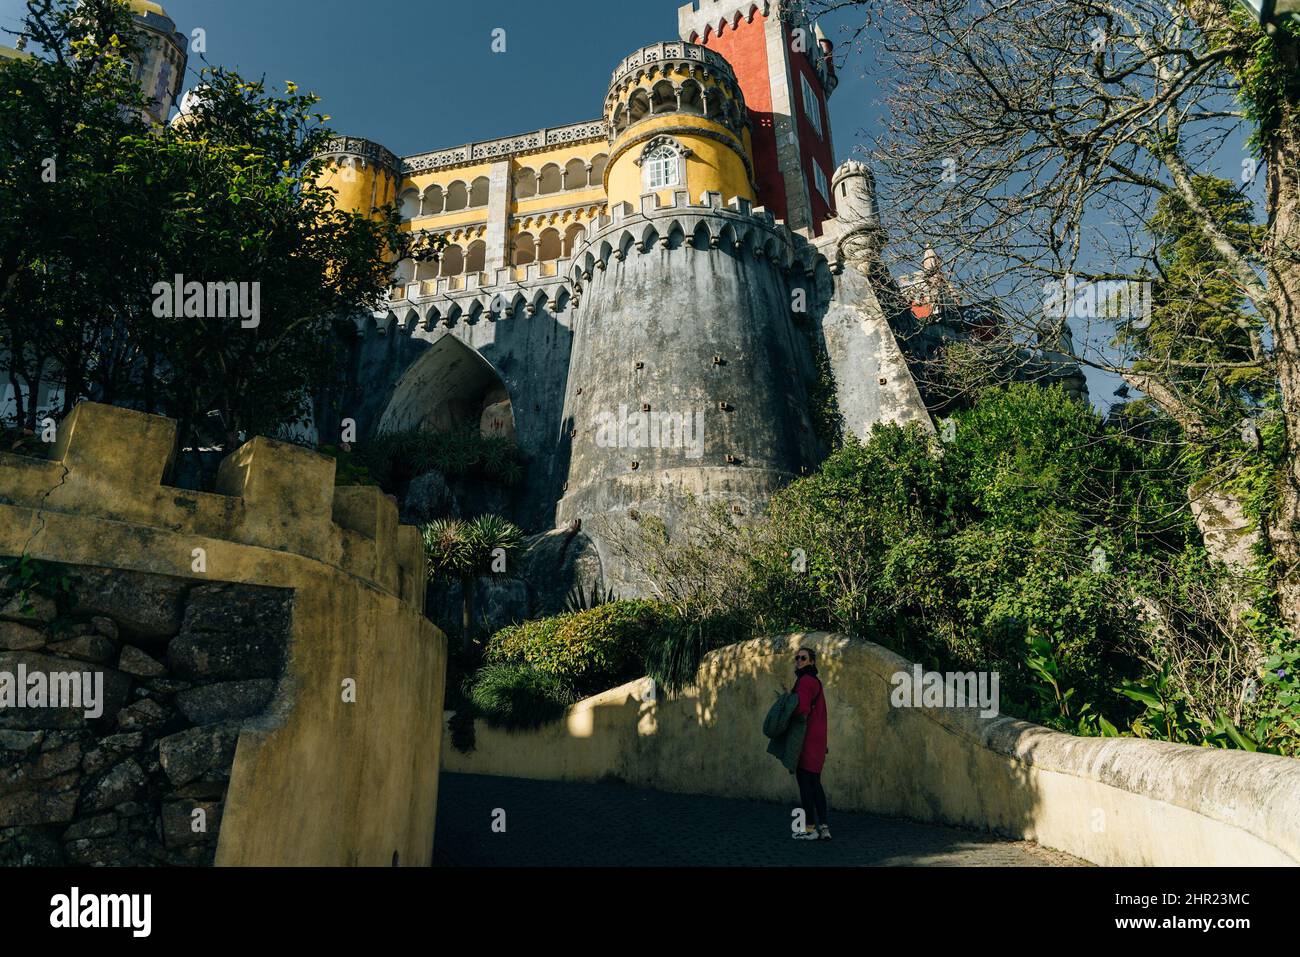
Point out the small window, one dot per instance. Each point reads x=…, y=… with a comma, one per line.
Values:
x=812, y=107
x=662, y=168
x=819, y=180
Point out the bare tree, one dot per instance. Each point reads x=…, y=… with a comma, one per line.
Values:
x=1033, y=143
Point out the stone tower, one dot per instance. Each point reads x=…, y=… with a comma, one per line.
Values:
x=688, y=372
x=164, y=53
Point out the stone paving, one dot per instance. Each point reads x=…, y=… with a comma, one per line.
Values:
x=557, y=824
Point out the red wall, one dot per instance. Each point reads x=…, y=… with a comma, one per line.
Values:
x=814, y=149
x=745, y=48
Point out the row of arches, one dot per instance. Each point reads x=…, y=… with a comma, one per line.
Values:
x=577, y=173
x=436, y=199
x=458, y=260
x=689, y=97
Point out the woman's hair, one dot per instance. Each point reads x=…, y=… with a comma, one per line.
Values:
x=812, y=655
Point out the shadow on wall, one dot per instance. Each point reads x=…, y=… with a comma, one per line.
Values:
x=1113, y=801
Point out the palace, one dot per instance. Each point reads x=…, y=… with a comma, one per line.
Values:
x=691, y=251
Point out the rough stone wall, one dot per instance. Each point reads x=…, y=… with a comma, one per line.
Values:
x=183, y=666
x=686, y=315
x=318, y=777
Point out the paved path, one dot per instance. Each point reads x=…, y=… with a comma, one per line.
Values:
x=556, y=824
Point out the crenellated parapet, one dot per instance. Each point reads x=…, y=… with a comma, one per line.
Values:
x=110, y=464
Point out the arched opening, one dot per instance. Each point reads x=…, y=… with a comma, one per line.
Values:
x=450, y=387
x=404, y=272
x=549, y=246
x=575, y=174
x=457, y=196
x=525, y=252
x=408, y=204
x=620, y=117
x=433, y=201
x=525, y=183
x=453, y=261
x=427, y=270
x=476, y=256
x=638, y=105
x=664, y=99
x=478, y=192
x=692, y=99
x=598, y=164
x=550, y=180
x=572, y=236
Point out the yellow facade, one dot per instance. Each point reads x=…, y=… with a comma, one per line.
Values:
x=715, y=163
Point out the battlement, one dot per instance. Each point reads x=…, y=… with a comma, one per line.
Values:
x=711, y=16
x=110, y=463
x=654, y=54
x=678, y=222
x=367, y=151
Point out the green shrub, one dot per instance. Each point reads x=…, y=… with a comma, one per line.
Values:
x=588, y=651
x=515, y=696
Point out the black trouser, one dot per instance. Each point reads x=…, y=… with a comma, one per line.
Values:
x=811, y=796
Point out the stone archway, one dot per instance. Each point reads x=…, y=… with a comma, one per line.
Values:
x=450, y=386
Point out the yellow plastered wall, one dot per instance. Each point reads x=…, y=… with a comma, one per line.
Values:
x=713, y=166
x=361, y=187
x=316, y=781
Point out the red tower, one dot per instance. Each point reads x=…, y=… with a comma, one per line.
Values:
x=787, y=74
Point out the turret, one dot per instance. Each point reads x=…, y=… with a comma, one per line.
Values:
x=163, y=56
x=677, y=120
x=365, y=174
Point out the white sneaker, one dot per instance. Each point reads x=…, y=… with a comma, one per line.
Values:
x=805, y=835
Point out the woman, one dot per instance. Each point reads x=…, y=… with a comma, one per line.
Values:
x=812, y=706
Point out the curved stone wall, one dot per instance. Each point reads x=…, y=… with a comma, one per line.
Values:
x=1113, y=801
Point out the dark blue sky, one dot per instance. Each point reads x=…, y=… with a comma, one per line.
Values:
x=419, y=75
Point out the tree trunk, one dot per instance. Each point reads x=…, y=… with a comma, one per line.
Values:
x=1283, y=263
x=466, y=615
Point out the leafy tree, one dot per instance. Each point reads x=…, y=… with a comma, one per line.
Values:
x=235, y=194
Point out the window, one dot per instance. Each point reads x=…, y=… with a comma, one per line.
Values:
x=819, y=180
x=812, y=108
x=662, y=168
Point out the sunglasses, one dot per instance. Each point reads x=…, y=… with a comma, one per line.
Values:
x=800, y=657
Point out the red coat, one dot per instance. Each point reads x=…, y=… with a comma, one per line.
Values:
x=813, y=755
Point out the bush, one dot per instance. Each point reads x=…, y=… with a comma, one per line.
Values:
x=588, y=651
x=514, y=696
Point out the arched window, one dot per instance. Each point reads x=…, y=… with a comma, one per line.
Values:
x=549, y=246
x=409, y=204
x=432, y=200
x=598, y=165
x=661, y=167
x=457, y=196
x=525, y=253
x=664, y=99
x=525, y=183
x=638, y=105
x=478, y=192
x=572, y=236
x=575, y=174
x=427, y=270
x=476, y=256
x=550, y=181
x=453, y=261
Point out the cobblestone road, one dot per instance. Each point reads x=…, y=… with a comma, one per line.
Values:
x=556, y=824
